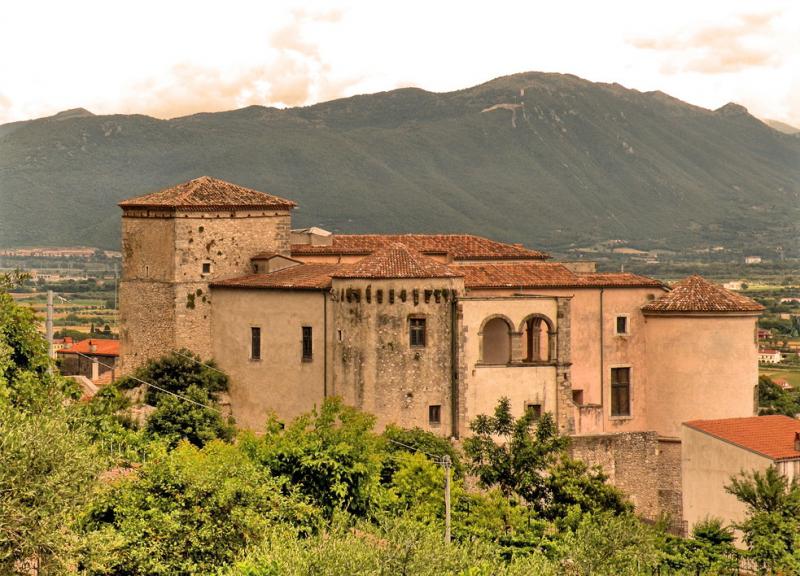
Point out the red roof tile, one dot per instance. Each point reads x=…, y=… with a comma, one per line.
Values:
x=460, y=246
x=310, y=276
x=543, y=275
x=105, y=347
x=696, y=294
x=771, y=436
x=206, y=193
x=396, y=261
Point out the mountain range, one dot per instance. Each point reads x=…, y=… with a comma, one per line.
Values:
x=550, y=160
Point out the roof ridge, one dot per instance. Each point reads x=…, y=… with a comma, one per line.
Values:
x=697, y=294
x=207, y=192
x=397, y=260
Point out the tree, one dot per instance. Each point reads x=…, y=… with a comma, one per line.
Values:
x=176, y=372
x=193, y=417
x=331, y=455
x=189, y=511
x=772, y=527
x=47, y=472
x=530, y=460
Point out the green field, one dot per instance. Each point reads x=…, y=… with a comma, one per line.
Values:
x=791, y=375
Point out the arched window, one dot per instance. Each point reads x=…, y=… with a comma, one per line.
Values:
x=496, y=341
x=537, y=334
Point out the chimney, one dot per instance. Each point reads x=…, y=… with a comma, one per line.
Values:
x=797, y=441
x=92, y=347
x=67, y=342
x=95, y=370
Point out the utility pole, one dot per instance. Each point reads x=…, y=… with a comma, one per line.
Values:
x=48, y=326
x=447, y=474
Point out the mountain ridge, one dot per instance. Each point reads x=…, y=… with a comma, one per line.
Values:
x=559, y=161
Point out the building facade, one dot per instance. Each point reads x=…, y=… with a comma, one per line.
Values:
x=422, y=330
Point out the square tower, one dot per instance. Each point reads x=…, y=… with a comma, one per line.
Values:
x=176, y=241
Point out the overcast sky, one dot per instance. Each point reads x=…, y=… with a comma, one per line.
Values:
x=169, y=58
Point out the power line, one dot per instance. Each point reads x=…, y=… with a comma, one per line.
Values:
x=159, y=388
x=438, y=459
x=199, y=362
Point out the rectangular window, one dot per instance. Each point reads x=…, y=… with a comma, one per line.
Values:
x=622, y=325
x=536, y=409
x=255, y=343
x=416, y=328
x=620, y=391
x=308, y=349
x=435, y=414
x=206, y=267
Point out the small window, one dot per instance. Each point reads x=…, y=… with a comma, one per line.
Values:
x=255, y=343
x=577, y=397
x=339, y=336
x=308, y=349
x=435, y=414
x=622, y=325
x=536, y=409
x=206, y=267
x=620, y=391
x=417, y=331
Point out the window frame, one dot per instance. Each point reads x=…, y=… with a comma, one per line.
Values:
x=435, y=409
x=415, y=331
x=627, y=318
x=203, y=270
x=536, y=407
x=255, y=337
x=616, y=385
x=307, y=343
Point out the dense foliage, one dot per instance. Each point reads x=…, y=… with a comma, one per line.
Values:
x=87, y=488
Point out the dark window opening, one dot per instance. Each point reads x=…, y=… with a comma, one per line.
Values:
x=435, y=414
x=206, y=267
x=307, y=343
x=622, y=324
x=255, y=343
x=536, y=409
x=416, y=328
x=339, y=335
x=620, y=391
x=577, y=397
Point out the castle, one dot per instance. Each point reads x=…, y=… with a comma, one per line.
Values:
x=422, y=330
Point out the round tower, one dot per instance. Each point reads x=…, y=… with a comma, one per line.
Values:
x=176, y=241
x=702, y=355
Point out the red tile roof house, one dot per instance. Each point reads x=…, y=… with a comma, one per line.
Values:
x=715, y=450
x=95, y=358
x=427, y=330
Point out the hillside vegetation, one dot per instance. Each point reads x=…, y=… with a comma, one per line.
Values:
x=547, y=159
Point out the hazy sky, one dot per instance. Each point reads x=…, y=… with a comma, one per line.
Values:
x=168, y=58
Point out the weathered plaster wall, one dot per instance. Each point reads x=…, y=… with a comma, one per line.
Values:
x=590, y=371
x=522, y=383
x=374, y=366
x=281, y=381
x=707, y=466
x=700, y=367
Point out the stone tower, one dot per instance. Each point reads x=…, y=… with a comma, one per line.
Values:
x=176, y=241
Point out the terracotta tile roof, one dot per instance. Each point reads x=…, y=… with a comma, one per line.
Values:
x=543, y=275
x=696, y=294
x=310, y=276
x=206, y=193
x=105, y=347
x=460, y=246
x=396, y=261
x=771, y=436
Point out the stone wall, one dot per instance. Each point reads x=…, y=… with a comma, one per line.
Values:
x=647, y=469
x=374, y=366
x=165, y=302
